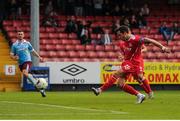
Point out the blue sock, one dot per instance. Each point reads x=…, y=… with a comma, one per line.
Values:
x=32, y=79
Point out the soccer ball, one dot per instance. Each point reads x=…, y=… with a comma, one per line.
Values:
x=41, y=83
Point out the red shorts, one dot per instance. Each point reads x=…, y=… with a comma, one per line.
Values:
x=129, y=67
x=26, y=65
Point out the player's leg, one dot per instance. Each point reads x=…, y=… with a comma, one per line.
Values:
x=129, y=89
x=107, y=84
x=129, y=68
x=145, y=85
x=25, y=68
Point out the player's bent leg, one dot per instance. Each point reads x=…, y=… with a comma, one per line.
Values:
x=129, y=89
x=43, y=93
x=145, y=85
x=151, y=95
x=29, y=77
x=96, y=91
x=34, y=82
x=140, y=98
x=107, y=84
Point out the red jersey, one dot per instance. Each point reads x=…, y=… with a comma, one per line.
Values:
x=131, y=49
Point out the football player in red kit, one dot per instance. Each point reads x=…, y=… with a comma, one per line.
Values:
x=132, y=64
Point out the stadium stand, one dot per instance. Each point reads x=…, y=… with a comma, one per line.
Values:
x=8, y=82
x=56, y=45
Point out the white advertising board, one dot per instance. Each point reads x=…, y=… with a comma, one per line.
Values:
x=74, y=72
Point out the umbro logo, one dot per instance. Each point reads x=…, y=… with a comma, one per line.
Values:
x=73, y=69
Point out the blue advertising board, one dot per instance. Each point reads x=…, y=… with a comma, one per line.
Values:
x=37, y=72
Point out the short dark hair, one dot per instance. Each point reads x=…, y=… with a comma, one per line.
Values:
x=19, y=31
x=123, y=29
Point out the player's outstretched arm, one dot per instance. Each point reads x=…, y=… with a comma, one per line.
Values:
x=144, y=48
x=120, y=56
x=163, y=48
x=37, y=55
x=14, y=57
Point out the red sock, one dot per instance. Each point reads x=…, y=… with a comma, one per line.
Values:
x=145, y=89
x=129, y=89
x=146, y=85
x=109, y=83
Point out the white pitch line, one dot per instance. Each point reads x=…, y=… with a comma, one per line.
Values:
x=46, y=114
x=66, y=107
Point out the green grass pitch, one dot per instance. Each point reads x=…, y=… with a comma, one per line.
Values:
x=85, y=105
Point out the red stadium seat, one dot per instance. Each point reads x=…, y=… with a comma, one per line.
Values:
x=53, y=35
x=99, y=48
x=90, y=60
x=66, y=42
x=72, y=36
x=10, y=28
x=44, y=35
x=50, y=29
x=158, y=37
x=43, y=41
x=177, y=56
x=12, y=34
x=112, y=54
x=60, y=30
x=63, y=35
x=43, y=53
x=50, y=47
x=90, y=47
x=160, y=55
x=174, y=60
x=7, y=23
x=82, y=54
x=108, y=18
x=49, y=41
x=42, y=29
x=24, y=28
x=76, y=59
x=171, y=44
x=135, y=31
x=150, y=55
x=63, y=23
x=75, y=41
x=62, y=54
x=175, y=49
x=52, y=53
x=105, y=60
x=92, y=54
x=70, y=47
x=117, y=48
x=90, y=18
x=170, y=56
x=42, y=47
x=66, y=59
x=73, y=54
x=99, y=18
x=109, y=48
x=177, y=37
x=153, y=31
x=80, y=47
x=102, y=54
x=154, y=49
x=26, y=23
x=113, y=36
x=61, y=17
x=17, y=23
x=162, y=19
x=60, y=47
x=93, y=36
x=177, y=43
